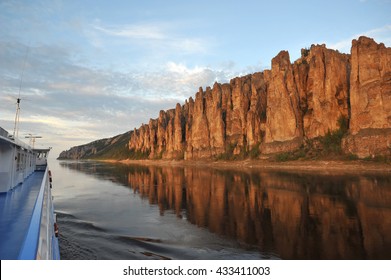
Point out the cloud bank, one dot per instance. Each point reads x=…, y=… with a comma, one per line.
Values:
x=381, y=34
x=72, y=104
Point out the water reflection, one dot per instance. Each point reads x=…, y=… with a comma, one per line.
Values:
x=295, y=216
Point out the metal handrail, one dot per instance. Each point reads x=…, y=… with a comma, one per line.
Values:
x=30, y=244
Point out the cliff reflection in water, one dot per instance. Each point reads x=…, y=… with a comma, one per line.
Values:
x=295, y=216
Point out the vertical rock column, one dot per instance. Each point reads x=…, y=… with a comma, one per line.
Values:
x=322, y=78
x=284, y=129
x=370, y=99
x=198, y=142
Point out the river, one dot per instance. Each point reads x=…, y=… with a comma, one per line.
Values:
x=116, y=211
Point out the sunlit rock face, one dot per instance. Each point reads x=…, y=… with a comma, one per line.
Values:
x=276, y=110
x=370, y=99
x=305, y=99
x=199, y=136
x=322, y=80
x=282, y=114
x=226, y=118
x=370, y=85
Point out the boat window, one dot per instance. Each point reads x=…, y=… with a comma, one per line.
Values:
x=42, y=154
x=22, y=161
x=18, y=162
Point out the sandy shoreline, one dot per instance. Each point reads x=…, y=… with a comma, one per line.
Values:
x=333, y=166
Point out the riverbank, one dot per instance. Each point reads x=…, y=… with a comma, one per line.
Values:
x=334, y=166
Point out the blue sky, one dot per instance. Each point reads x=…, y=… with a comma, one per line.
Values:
x=95, y=69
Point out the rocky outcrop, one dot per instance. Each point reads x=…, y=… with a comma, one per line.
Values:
x=280, y=109
x=322, y=79
x=226, y=118
x=283, y=115
x=370, y=99
x=370, y=81
x=306, y=99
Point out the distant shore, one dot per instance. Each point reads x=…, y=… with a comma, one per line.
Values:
x=334, y=166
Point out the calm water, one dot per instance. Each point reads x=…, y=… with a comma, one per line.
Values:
x=113, y=211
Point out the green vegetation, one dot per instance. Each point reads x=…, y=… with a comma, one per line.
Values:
x=379, y=159
x=114, y=148
x=179, y=155
x=137, y=154
x=305, y=52
x=328, y=146
x=284, y=156
x=244, y=153
x=289, y=156
x=332, y=140
x=229, y=152
x=255, y=151
x=352, y=157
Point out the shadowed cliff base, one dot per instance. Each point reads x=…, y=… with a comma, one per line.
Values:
x=325, y=105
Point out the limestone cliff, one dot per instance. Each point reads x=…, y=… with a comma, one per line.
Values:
x=283, y=117
x=322, y=79
x=370, y=99
x=280, y=109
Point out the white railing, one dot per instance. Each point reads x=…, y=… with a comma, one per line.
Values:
x=38, y=241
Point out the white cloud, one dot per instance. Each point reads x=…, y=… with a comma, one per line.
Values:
x=69, y=104
x=137, y=31
x=160, y=37
x=181, y=68
x=190, y=45
x=380, y=35
x=178, y=81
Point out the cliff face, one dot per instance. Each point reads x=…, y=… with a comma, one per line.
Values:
x=323, y=89
x=306, y=99
x=370, y=92
x=283, y=130
x=225, y=118
x=283, y=120
x=280, y=109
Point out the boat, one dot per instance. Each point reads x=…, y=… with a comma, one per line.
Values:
x=28, y=226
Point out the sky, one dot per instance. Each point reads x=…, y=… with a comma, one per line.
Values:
x=87, y=70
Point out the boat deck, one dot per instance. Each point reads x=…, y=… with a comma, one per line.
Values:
x=16, y=210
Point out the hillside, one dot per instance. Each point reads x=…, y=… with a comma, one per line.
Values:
x=115, y=147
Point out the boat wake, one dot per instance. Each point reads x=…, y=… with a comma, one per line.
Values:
x=82, y=240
